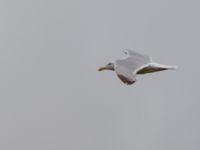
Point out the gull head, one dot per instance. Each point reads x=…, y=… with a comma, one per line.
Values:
x=109, y=66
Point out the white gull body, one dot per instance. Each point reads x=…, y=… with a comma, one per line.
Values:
x=134, y=64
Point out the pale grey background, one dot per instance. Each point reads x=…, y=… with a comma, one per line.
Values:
x=52, y=97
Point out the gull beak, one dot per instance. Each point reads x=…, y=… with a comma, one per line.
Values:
x=102, y=68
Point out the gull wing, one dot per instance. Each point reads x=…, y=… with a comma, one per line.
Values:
x=135, y=54
x=127, y=68
x=125, y=75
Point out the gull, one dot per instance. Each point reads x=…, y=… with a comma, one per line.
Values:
x=134, y=64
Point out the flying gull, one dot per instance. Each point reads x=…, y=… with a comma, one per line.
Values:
x=134, y=64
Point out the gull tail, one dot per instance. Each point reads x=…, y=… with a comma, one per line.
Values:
x=156, y=65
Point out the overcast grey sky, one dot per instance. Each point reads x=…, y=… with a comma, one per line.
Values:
x=53, y=98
